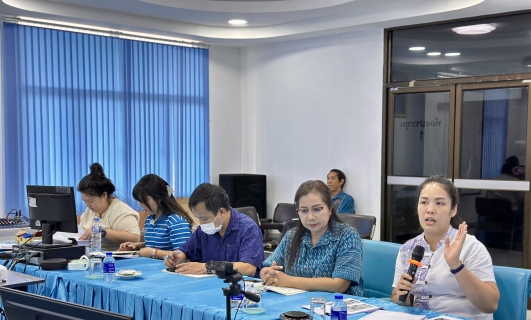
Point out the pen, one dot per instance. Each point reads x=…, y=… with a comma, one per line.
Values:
x=373, y=310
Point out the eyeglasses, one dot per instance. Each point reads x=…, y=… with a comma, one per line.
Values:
x=314, y=211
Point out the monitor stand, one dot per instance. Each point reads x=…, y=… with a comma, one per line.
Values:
x=48, y=245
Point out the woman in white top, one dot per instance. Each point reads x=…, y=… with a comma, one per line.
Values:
x=456, y=275
x=119, y=221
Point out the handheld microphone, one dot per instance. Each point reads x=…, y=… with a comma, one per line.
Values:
x=251, y=296
x=416, y=258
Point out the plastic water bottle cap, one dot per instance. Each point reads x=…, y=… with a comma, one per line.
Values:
x=339, y=297
x=96, y=219
x=108, y=253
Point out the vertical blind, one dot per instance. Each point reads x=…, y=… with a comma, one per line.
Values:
x=495, y=124
x=71, y=99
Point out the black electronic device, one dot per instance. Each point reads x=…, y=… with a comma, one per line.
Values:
x=295, y=315
x=19, y=305
x=225, y=270
x=51, y=209
x=39, y=254
x=246, y=190
x=416, y=258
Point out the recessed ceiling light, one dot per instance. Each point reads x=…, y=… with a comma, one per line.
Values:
x=237, y=22
x=417, y=48
x=452, y=54
x=434, y=53
x=475, y=29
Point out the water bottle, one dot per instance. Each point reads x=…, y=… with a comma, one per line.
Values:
x=95, y=239
x=339, y=309
x=109, y=268
x=236, y=301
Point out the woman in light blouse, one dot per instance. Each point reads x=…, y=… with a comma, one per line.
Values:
x=456, y=275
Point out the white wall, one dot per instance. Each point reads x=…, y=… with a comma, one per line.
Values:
x=225, y=111
x=312, y=105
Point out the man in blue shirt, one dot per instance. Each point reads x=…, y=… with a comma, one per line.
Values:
x=224, y=234
x=343, y=203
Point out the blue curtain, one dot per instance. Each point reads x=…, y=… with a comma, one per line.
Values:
x=495, y=121
x=71, y=99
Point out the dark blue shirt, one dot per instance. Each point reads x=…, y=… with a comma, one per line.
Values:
x=242, y=242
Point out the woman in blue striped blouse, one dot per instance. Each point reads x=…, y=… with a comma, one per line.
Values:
x=168, y=225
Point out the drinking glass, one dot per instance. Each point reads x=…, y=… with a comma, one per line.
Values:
x=252, y=307
x=95, y=269
x=317, y=308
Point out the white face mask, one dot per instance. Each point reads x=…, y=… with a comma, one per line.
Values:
x=210, y=229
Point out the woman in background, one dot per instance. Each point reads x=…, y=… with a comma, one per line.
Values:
x=456, y=275
x=168, y=225
x=321, y=253
x=119, y=221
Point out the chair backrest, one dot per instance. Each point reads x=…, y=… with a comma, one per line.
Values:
x=515, y=289
x=287, y=227
x=497, y=209
x=379, y=259
x=364, y=224
x=250, y=212
x=285, y=212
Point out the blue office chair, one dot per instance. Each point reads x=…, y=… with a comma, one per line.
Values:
x=515, y=289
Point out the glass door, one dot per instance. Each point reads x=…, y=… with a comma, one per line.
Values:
x=476, y=135
x=490, y=166
x=420, y=133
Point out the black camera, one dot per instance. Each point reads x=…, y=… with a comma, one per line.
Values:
x=221, y=267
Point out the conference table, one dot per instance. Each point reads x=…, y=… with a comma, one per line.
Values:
x=161, y=295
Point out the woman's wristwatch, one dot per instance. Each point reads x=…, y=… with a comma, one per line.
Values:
x=103, y=232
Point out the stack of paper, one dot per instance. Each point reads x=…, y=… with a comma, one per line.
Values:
x=385, y=315
x=353, y=306
x=285, y=291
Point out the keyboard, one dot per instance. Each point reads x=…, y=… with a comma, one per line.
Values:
x=10, y=227
x=14, y=223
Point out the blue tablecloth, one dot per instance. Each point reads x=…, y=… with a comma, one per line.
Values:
x=159, y=295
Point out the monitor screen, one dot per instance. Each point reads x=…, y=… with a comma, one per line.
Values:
x=19, y=305
x=52, y=209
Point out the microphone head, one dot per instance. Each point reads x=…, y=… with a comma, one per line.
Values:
x=418, y=253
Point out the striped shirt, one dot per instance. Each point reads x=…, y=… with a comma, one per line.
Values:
x=167, y=233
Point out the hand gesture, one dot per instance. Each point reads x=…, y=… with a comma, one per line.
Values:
x=127, y=246
x=86, y=235
x=453, y=251
x=272, y=275
x=403, y=286
x=172, y=260
x=191, y=268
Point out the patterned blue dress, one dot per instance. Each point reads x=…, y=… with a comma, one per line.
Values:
x=338, y=254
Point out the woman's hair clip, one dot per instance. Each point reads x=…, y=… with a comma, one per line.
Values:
x=170, y=190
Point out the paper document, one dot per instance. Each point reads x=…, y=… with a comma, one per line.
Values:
x=117, y=254
x=386, y=315
x=189, y=275
x=65, y=235
x=6, y=246
x=285, y=291
x=443, y=318
x=353, y=306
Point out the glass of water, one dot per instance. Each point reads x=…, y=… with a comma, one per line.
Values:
x=252, y=307
x=317, y=308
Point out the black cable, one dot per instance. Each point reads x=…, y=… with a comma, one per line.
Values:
x=10, y=212
x=240, y=304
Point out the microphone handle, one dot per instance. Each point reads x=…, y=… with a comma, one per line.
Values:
x=412, y=272
x=251, y=296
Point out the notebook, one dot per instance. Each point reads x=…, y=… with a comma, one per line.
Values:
x=285, y=291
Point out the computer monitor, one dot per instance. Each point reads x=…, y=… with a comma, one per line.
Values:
x=52, y=209
x=20, y=305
